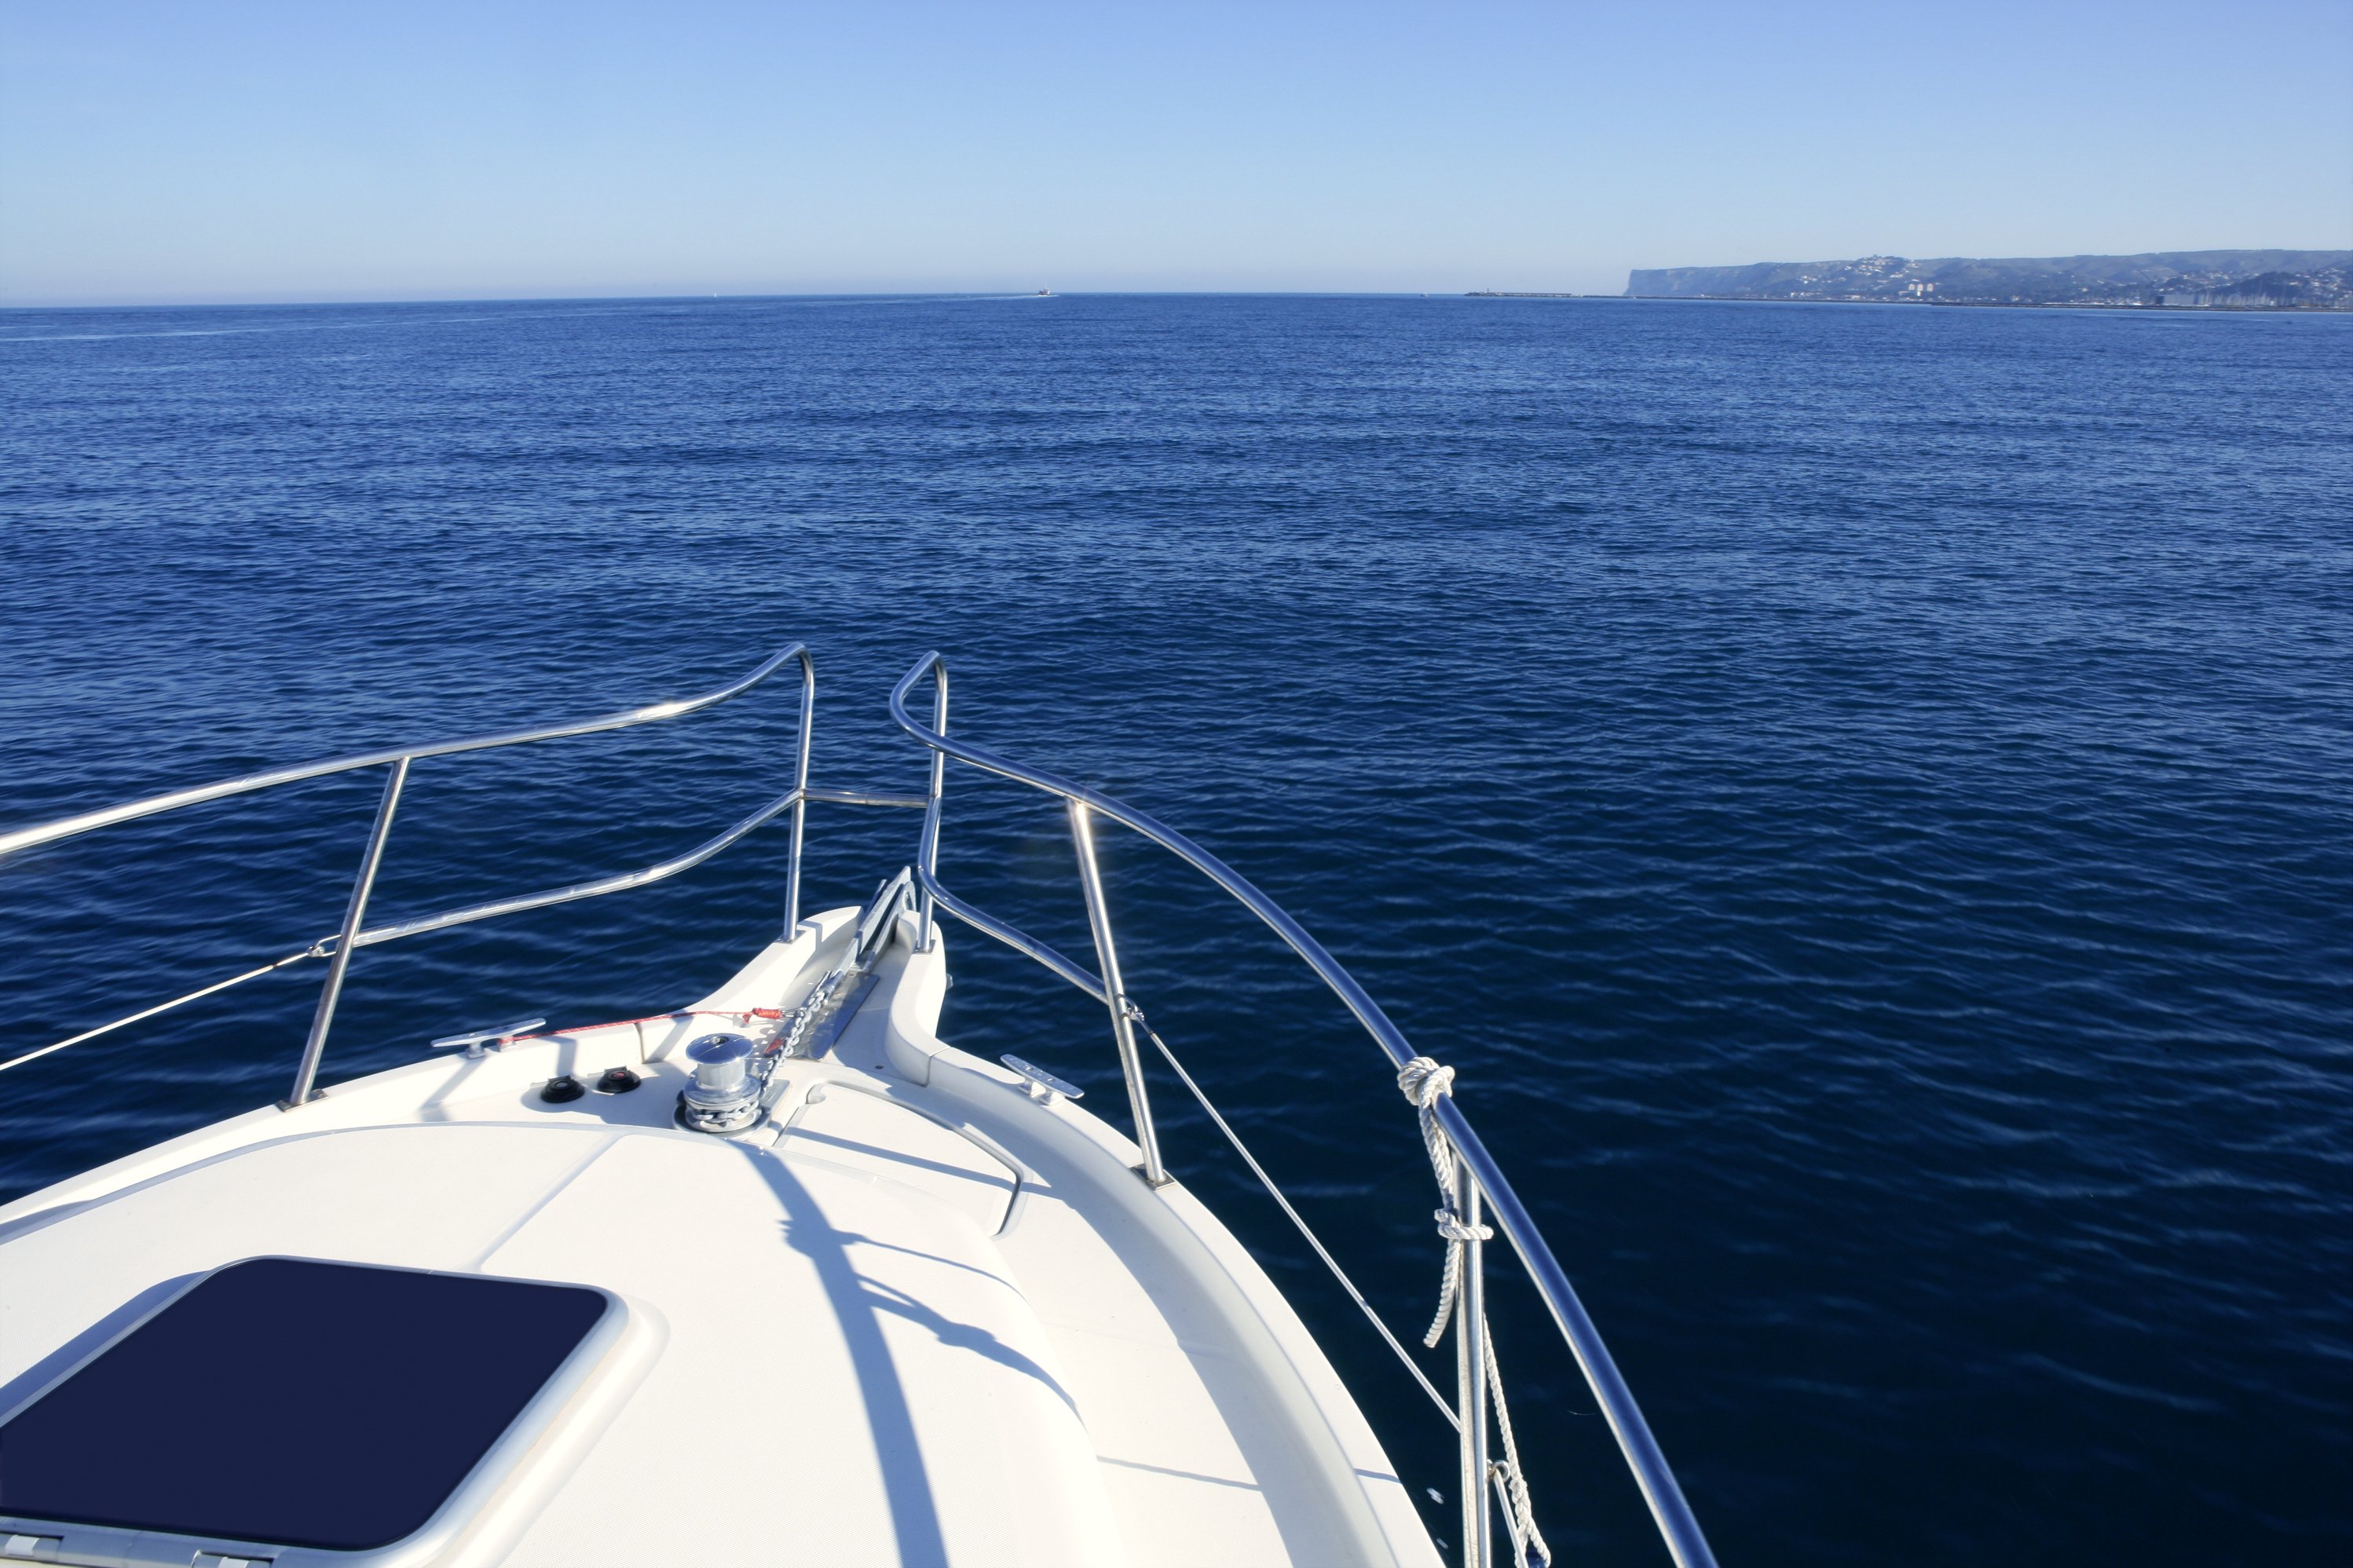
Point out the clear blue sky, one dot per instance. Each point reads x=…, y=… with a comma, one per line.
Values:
x=340, y=150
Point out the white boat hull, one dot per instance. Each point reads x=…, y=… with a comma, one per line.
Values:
x=913, y=1316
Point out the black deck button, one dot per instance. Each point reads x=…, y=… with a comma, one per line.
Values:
x=618, y=1080
x=561, y=1090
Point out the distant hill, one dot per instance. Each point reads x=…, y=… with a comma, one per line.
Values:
x=2272, y=279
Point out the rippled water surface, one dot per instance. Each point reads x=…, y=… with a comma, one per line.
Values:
x=1861, y=795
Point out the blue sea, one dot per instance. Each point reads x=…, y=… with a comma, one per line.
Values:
x=1863, y=796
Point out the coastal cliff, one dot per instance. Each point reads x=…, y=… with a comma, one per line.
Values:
x=2246, y=278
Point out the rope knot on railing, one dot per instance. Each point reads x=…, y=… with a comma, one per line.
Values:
x=1425, y=1081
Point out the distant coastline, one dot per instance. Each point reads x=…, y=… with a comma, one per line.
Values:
x=2181, y=280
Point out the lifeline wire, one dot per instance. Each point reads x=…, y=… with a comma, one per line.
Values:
x=163, y=1007
x=1135, y=1015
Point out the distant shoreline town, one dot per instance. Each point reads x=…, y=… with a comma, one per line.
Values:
x=2191, y=280
x=2164, y=279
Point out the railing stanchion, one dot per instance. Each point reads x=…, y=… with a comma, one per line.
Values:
x=928, y=856
x=353, y=934
x=1471, y=1383
x=355, y=916
x=1123, y=1028
x=1672, y=1511
x=801, y=797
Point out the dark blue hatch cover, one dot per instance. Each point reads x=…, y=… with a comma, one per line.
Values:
x=293, y=1402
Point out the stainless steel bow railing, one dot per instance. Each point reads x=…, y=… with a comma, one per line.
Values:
x=355, y=935
x=1677, y=1527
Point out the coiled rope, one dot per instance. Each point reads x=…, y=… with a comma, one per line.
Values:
x=1424, y=1081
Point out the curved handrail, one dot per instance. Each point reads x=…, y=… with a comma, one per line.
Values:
x=572, y=891
x=619, y=881
x=622, y=881
x=68, y=827
x=1677, y=1526
x=325, y=946
x=371, y=860
x=980, y=919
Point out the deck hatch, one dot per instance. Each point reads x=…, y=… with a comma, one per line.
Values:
x=299, y=1402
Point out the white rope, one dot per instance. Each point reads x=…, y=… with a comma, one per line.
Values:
x=1423, y=1080
x=1511, y=1481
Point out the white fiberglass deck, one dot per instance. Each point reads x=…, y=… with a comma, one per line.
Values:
x=913, y=1316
